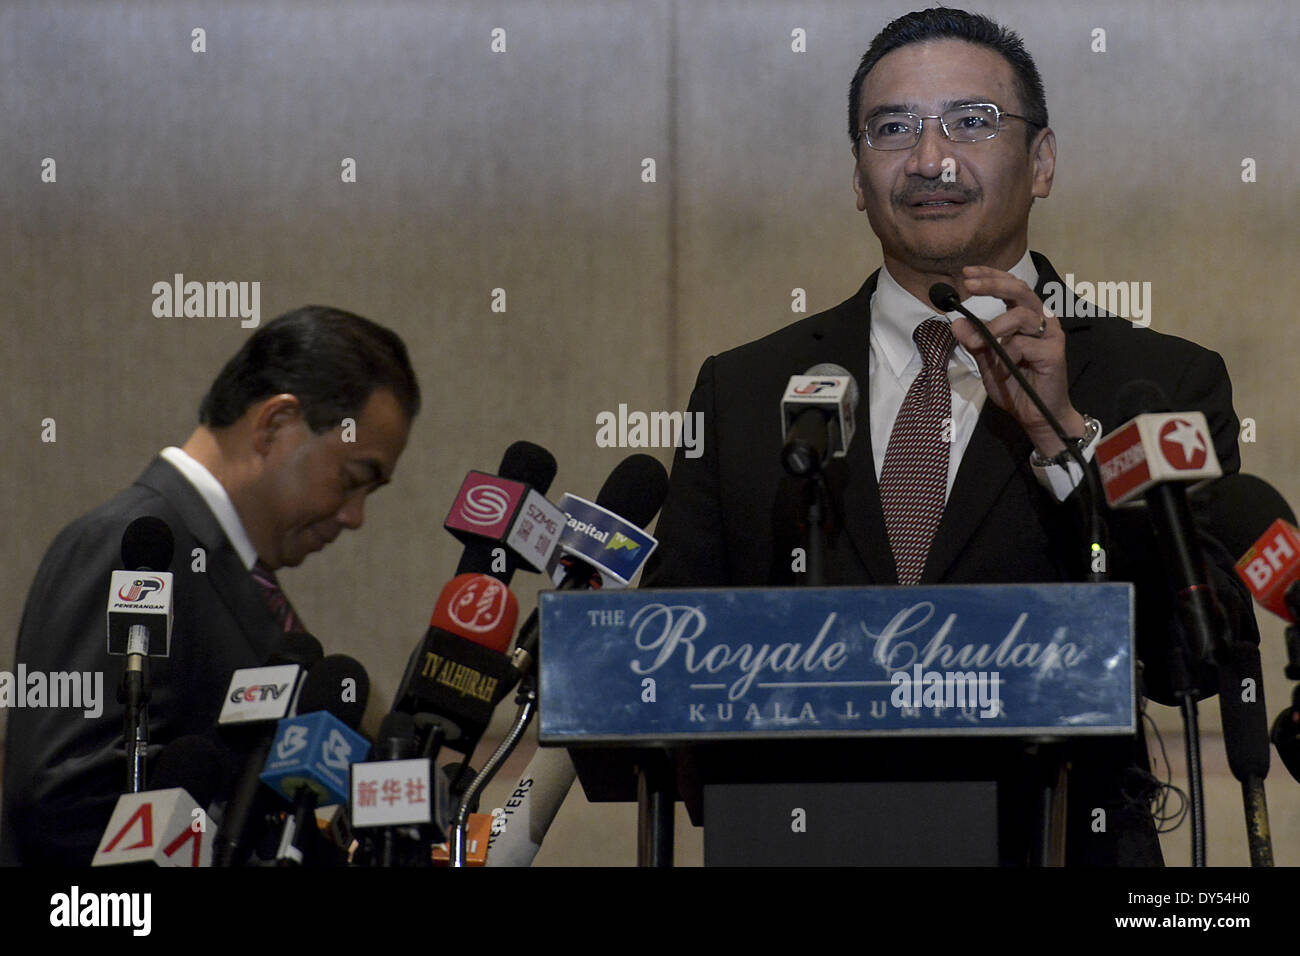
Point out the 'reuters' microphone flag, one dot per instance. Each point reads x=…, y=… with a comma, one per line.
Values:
x=458, y=673
x=168, y=826
x=504, y=520
x=1156, y=448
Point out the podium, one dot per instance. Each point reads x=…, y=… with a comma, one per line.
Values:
x=839, y=726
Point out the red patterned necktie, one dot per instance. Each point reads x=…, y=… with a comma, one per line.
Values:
x=280, y=607
x=914, y=478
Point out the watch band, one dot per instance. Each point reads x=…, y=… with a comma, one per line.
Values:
x=1091, y=431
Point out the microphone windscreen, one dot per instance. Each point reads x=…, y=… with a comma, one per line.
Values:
x=830, y=368
x=944, y=297
x=296, y=647
x=147, y=545
x=1140, y=397
x=1238, y=509
x=326, y=687
x=635, y=490
x=529, y=463
x=196, y=763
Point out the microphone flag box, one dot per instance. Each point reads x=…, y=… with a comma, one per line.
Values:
x=389, y=793
x=163, y=827
x=649, y=666
x=1153, y=449
x=1269, y=565
x=259, y=693
x=478, y=833
x=478, y=605
x=313, y=750
x=140, y=597
x=831, y=392
x=616, y=548
x=507, y=511
x=452, y=676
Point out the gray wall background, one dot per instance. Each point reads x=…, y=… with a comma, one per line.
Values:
x=522, y=170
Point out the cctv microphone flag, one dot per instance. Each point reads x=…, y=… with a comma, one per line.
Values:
x=140, y=598
x=259, y=694
x=617, y=548
x=1152, y=449
x=510, y=512
x=833, y=395
x=313, y=751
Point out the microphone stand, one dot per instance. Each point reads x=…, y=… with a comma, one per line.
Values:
x=134, y=695
x=526, y=698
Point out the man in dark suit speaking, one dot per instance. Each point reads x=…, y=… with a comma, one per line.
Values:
x=958, y=477
x=307, y=419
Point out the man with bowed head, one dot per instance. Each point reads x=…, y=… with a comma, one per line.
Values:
x=301, y=425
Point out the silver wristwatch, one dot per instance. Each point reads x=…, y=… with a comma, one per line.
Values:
x=1091, y=429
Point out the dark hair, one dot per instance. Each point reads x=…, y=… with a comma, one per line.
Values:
x=943, y=23
x=329, y=359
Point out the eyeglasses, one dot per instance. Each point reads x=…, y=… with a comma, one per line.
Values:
x=971, y=123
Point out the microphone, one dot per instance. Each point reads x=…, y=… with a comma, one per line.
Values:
x=1153, y=456
x=405, y=796
x=258, y=697
x=637, y=488
x=459, y=672
x=944, y=298
x=817, y=418
x=504, y=520
x=519, y=827
x=1237, y=511
x=309, y=760
x=167, y=826
x=604, y=539
x=139, y=627
x=1266, y=538
x=1270, y=559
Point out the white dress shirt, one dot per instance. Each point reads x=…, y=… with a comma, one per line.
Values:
x=895, y=362
x=217, y=500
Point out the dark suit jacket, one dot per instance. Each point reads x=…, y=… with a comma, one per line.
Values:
x=729, y=519
x=63, y=772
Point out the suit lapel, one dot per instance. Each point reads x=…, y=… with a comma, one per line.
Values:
x=846, y=339
x=225, y=572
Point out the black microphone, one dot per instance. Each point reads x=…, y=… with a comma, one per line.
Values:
x=337, y=688
x=147, y=545
x=1199, y=612
x=140, y=626
x=256, y=735
x=1251, y=507
x=528, y=464
x=944, y=298
x=819, y=418
x=160, y=826
x=634, y=491
x=1235, y=511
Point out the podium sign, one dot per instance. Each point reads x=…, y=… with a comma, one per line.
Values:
x=645, y=666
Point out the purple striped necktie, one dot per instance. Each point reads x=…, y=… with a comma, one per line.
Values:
x=914, y=477
x=275, y=599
